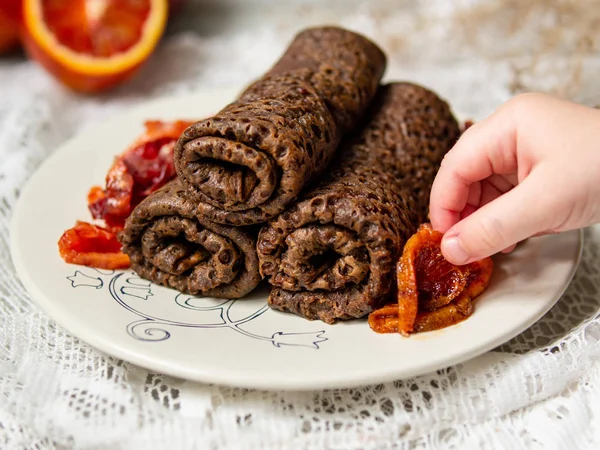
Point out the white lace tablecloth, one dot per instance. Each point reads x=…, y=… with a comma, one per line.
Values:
x=541, y=390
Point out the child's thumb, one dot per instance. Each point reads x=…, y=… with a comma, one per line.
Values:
x=507, y=220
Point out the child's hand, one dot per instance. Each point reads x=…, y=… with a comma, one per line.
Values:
x=532, y=167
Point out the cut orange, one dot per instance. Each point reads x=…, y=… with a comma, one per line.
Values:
x=92, y=45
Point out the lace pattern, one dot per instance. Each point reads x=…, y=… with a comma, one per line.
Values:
x=540, y=390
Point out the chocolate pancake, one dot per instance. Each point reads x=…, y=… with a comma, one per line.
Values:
x=169, y=243
x=248, y=162
x=332, y=255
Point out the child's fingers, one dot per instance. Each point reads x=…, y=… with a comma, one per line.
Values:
x=510, y=218
x=485, y=149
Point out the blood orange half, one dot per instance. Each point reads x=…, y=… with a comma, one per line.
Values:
x=92, y=45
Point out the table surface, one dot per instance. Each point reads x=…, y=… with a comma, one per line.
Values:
x=537, y=391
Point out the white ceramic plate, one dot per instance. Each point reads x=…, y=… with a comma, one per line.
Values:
x=244, y=343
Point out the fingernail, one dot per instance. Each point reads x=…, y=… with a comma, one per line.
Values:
x=454, y=251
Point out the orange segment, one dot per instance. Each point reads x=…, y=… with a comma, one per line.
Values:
x=91, y=45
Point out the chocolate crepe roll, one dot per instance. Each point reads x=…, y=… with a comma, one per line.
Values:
x=254, y=157
x=169, y=243
x=332, y=255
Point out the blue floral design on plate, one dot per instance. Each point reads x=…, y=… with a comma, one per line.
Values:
x=136, y=294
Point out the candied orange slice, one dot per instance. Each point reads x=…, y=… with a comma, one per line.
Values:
x=408, y=304
x=432, y=293
x=91, y=245
x=140, y=170
x=385, y=319
x=447, y=315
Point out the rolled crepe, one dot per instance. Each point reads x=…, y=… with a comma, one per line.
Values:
x=253, y=158
x=169, y=243
x=332, y=255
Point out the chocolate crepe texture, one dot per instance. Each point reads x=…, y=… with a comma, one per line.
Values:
x=332, y=255
x=170, y=243
x=252, y=159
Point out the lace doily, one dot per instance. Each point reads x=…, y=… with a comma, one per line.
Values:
x=539, y=390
